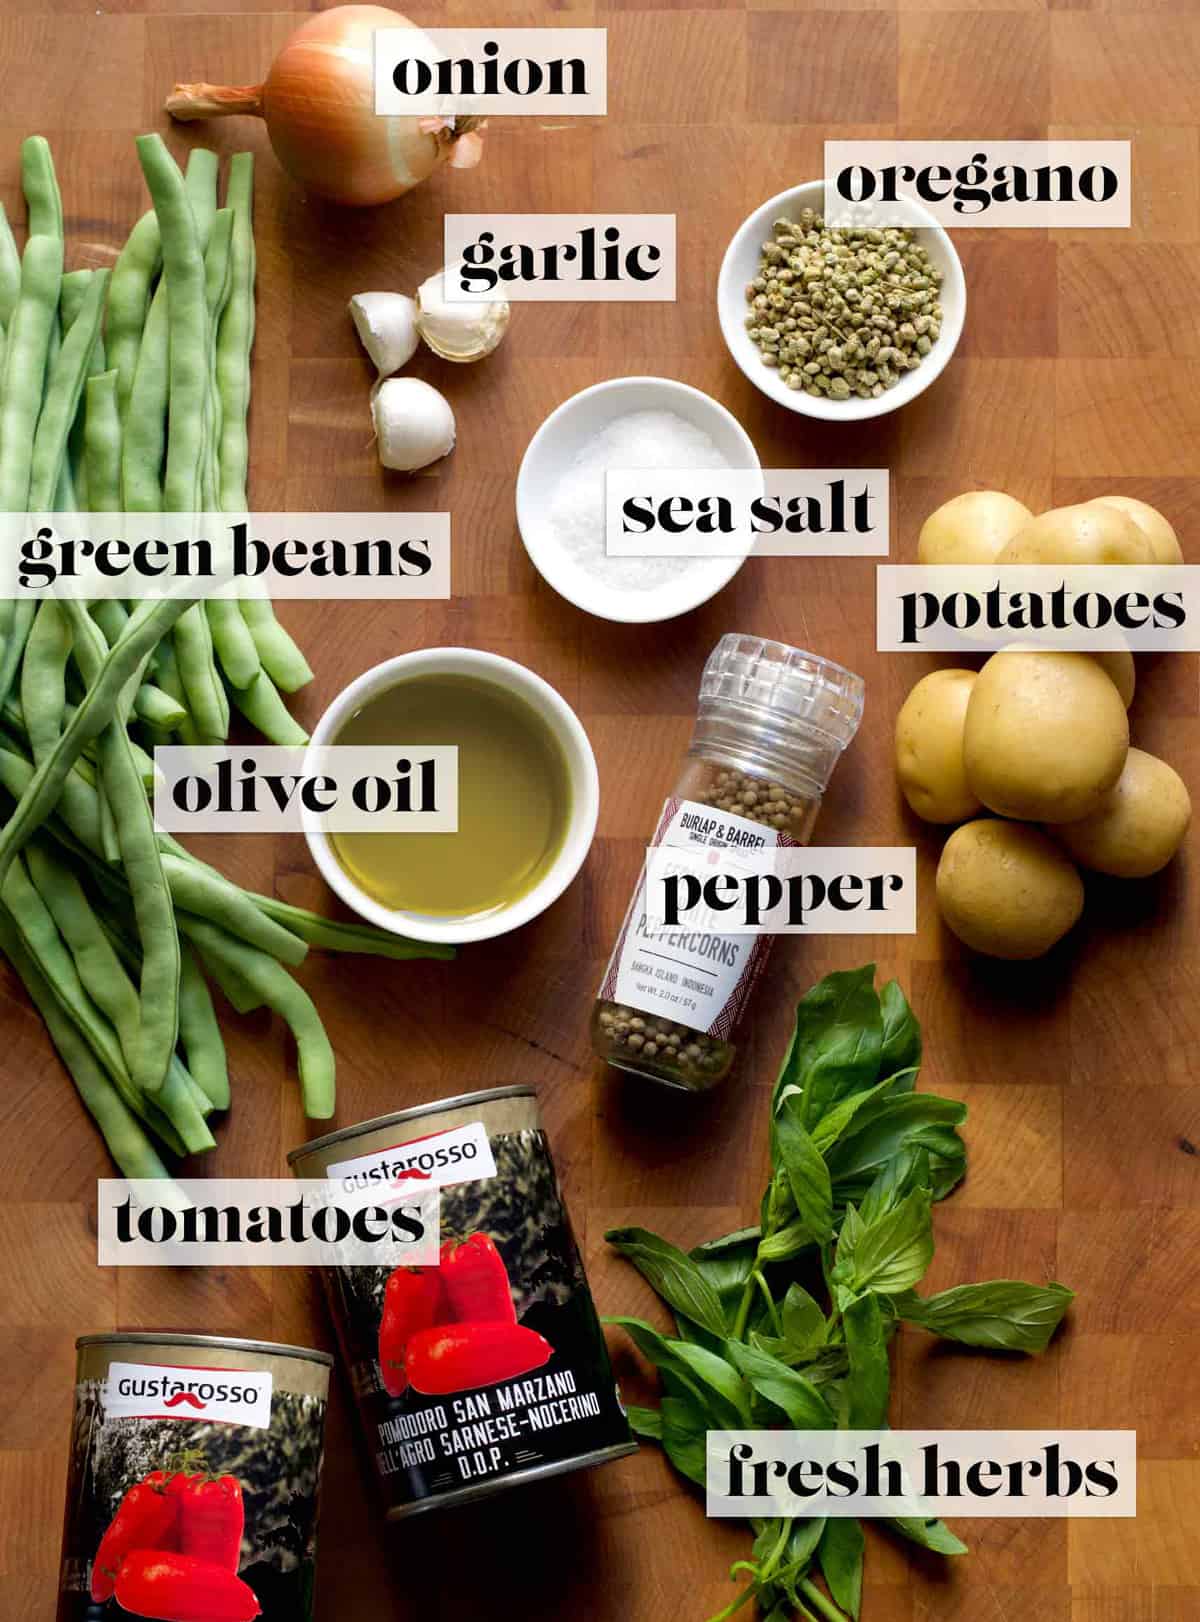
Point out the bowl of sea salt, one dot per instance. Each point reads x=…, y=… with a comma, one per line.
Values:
x=626, y=423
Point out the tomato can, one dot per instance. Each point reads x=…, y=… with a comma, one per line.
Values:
x=489, y=1369
x=194, y=1479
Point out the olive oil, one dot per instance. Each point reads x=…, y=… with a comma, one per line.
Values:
x=514, y=799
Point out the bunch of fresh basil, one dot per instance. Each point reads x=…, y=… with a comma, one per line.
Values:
x=857, y=1159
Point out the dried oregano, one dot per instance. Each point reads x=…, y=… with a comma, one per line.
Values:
x=843, y=312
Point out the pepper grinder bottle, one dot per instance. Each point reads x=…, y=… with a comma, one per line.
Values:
x=771, y=724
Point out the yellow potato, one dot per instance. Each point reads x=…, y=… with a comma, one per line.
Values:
x=1164, y=543
x=929, y=747
x=1139, y=824
x=1118, y=667
x=971, y=528
x=1006, y=889
x=1045, y=736
x=1082, y=534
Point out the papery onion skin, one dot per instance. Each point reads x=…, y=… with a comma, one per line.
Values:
x=318, y=101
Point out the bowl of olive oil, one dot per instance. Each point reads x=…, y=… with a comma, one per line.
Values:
x=528, y=796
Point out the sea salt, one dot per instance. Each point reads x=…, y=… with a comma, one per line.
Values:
x=643, y=439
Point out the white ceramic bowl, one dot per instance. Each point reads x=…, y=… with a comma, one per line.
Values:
x=554, y=448
x=740, y=266
x=581, y=769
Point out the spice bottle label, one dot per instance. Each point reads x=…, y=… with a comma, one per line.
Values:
x=691, y=977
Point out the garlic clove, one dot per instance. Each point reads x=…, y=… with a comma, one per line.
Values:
x=386, y=324
x=459, y=332
x=414, y=424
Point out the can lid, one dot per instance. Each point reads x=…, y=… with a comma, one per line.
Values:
x=149, y=1337
x=438, y=1107
x=797, y=688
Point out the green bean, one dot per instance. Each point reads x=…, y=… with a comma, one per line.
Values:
x=132, y=1151
x=183, y=243
x=159, y=987
x=44, y=678
x=153, y=705
x=202, y=689
x=201, y=891
x=144, y=439
x=111, y=615
x=63, y=393
x=10, y=270
x=78, y=805
x=242, y=998
x=235, y=338
x=63, y=500
x=285, y=997
x=281, y=658
x=71, y=296
x=332, y=935
x=145, y=766
x=167, y=670
x=326, y=934
x=74, y=289
x=101, y=971
x=187, y=319
x=231, y=636
x=181, y=1102
x=218, y=280
x=175, y=1106
x=199, y=1033
x=200, y=184
x=128, y=304
x=261, y=704
x=146, y=629
x=158, y=709
x=102, y=441
x=33, y=321
x=26, y=353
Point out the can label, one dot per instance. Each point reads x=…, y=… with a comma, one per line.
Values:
x=461, y=1155
x=691, y=977
x=165, y=1391
x=194, y=1493
x=492, y=1362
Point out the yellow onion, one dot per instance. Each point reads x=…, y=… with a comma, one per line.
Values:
x=318, y=101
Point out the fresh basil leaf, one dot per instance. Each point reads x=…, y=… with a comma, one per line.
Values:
x=685, y=1329
x=931, y=1534
x=905, y=1171
x=684, y=1437
x=840, y=1554
x=645, y=1421
x=806, y=1535
x=673, y=1275
x=836, y=1043
x=794, y=1567
x=728, y=1269
x=804, y=1324
x=788, y=1242
x=869, y=1380
x=1003, y=1315
x=734, y=1242
x=901, y=1082
x=807, y=1174
x=835, y=1123
x=799, y=1399
x=892, y=1253
x=715, y=1375
x=893, y=1124
x=707, y=1378
x=900, y=1047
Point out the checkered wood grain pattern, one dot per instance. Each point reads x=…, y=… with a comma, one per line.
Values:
x=1079, y=372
